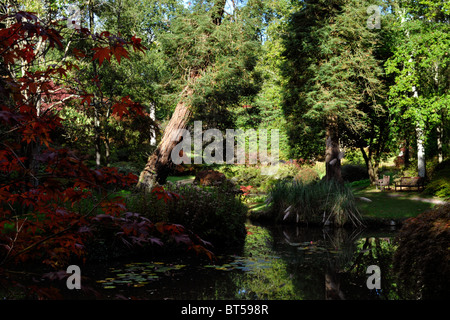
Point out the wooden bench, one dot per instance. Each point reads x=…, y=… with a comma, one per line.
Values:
x=410, y=182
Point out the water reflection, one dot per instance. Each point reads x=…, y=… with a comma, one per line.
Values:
x=276, y=263
x=333, y=266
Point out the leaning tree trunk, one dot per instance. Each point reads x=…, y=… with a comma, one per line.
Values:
x=159, y=164
x=333, y=153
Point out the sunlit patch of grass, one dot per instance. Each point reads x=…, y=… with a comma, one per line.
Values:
x=175, y=179
x=392, y=205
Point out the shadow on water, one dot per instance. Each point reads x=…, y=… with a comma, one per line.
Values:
x=276, y=263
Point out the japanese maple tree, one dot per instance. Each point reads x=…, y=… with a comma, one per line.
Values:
x=51, y=202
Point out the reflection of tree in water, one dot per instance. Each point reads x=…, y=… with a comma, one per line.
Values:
x=294, y=263
x=265, y=275
x=331, y=263
x=377, y=250
x=342, y=242
x=314, y=257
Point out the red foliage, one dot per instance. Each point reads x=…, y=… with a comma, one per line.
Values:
x=246, y=190
x=422, y=259
x=47, y=204
x=164, y=194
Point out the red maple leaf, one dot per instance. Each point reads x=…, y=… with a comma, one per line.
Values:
x=102, y=54
x=137, y=44
x=78, y=53
x=119, y=52
x=120, y=108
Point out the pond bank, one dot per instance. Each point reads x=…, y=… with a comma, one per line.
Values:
x=276, y=263
x=378, y=209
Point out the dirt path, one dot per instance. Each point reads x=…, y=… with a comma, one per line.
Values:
x=430, y=200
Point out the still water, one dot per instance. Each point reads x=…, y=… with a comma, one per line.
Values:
x=276, y=263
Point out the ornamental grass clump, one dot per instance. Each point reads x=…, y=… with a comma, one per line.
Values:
x=319, y=202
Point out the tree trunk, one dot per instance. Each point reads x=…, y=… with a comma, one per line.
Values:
x=421, y=165
x=439, y=143
x=438, y=128
x=333, y=155
x=371, y=164
x=153, y=130
x=420, y=135
x=406, y=154
x=97, y=137
x=159, y=164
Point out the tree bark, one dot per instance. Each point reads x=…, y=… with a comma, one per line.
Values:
x=439, y=143
x=159, y=164
x=97, y=138
x=421, y=165
x=333, y=153
x=438, y=128
x=420, y=135
x=153, y=130
x=371, y=164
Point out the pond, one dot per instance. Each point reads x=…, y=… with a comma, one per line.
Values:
x=276, y=263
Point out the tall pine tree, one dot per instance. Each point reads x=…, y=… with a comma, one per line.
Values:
x=334, y=75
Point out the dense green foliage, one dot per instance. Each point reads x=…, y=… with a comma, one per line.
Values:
x=332, y=68
x=439, y=184
x=256, y=177
x=271, y=65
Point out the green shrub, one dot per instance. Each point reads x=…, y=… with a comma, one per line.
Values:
x=440, y=181
x=244, y=175
x=318, y=202
x=127, y=167
x=391, y=172
x=422, y=259
x=253, y=176
x=147, y=204
x=354, y=157
x=439, y=187
x=320, y=168
x=216, y=214
x=354, y=172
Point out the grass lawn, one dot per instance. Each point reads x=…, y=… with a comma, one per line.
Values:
x=175, y=179
x=393, y=205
